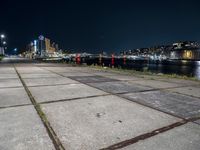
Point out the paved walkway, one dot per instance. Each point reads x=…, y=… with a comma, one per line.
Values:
x=54, y=106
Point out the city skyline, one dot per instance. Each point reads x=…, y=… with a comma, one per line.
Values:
x=101, y=25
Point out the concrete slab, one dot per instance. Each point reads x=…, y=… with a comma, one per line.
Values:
x=156, y=84
x=49, y=64
x=179, y=105
x=49, y=75
x=35, y=72
x=151, y=77
x=198, y=121
x=186, y=137
x=190, y=90
x=92, y=79
x=54, y=93
x=124, y=77
x=120, y=87
x=102, y=73
x=59, y=69
x=32, y=70
x=13, y=96
x=22, y=129
x=7, y=70
x=98, y=71
x=180, y=81
x=8, y=76
x=76, y=74
x=96, y=123
x=80, y=69
x=5, y=83
x=48, y=81
x=28, y=69
x=65, y=69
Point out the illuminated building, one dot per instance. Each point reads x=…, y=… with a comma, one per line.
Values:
x=50, y=48
x=41, y=47
x=185, y=51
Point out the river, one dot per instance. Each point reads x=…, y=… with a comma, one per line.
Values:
x=186, y=69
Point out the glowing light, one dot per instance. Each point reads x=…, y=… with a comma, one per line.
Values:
x=35, y=45
x=184, y=61
x=2, y=36
x=41, y=37
x=198, y=63
x=187, y=54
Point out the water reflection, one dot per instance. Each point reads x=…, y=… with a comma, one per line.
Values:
x=197, y=70
x=186, y=69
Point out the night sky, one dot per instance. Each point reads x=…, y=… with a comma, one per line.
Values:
x=96, y=25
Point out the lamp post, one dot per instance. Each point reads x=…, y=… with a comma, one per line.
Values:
x=2, y=43
x=15, y=51
x=2, y=37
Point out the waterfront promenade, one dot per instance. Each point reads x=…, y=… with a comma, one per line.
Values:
x=57, y=106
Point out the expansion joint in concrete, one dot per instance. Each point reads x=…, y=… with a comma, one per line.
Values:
x=55, y=140
x=149, y=134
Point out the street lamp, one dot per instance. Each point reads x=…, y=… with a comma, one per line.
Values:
x=2, y=36
x=1, y=39
x=2, y=44
x=15, y=50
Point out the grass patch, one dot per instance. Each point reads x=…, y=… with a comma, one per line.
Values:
x=1, y=57
x=41, y=114
x=143, y=73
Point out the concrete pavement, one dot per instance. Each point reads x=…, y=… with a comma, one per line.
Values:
x=57, y=106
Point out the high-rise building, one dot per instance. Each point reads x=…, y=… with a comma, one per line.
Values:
x=49, y=48
x=42, y=47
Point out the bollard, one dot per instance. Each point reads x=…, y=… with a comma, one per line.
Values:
x=124, y=57
x=100, y=59
x=113, y=60
x=78, y=59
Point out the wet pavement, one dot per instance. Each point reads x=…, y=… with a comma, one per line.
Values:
x=57, y=106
